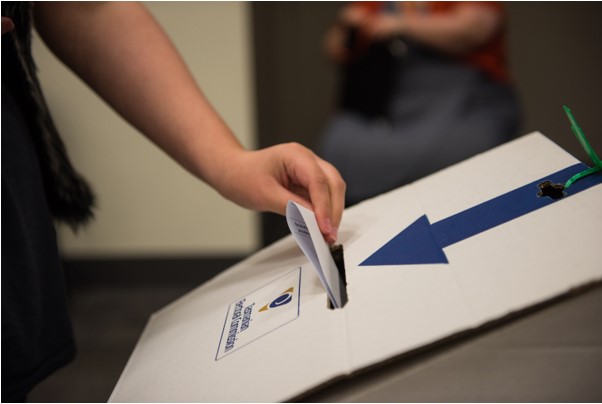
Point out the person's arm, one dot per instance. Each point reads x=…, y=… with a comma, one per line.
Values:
x=462, y=29
x=336, y=37
x=123, y=54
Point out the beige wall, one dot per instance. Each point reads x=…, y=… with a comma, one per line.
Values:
x=148, y=205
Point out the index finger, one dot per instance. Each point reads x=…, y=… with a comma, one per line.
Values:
x=337, y=188
x=325, y=189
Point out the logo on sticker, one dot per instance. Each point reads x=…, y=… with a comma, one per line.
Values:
x=284, y=298
x=246, y=321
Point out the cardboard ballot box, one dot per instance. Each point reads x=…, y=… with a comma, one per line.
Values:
x=449, y=253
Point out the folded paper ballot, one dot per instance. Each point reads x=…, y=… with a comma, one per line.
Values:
x=445, y=255
x=304, y=228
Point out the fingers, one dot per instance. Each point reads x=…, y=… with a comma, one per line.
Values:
x=321, y=199
x=337, y=188
x=325, y=187
x=267, y=179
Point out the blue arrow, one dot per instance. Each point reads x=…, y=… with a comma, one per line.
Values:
x=423, y=243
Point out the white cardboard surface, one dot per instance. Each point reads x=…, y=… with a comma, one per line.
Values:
x=392, y=309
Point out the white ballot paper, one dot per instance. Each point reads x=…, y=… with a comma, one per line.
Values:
x=304, y=227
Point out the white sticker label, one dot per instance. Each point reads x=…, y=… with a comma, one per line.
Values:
x=261, y=312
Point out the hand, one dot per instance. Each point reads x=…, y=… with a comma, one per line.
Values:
x=267, y=179
x=353, y=15
x=384, y=26
x=140, y=63
x=7, y=25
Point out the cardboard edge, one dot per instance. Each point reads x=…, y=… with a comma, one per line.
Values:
x=125, y=371
x=523, y=137
x=445, y=343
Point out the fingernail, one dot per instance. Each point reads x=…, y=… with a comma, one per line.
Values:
x=334, y=233
x=327, y=226
x=331, y=237
x=329, y=231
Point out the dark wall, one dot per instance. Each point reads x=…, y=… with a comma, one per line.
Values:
x=294, y=80
x=555, y=55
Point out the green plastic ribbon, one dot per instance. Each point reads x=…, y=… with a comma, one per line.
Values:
x=588, y=148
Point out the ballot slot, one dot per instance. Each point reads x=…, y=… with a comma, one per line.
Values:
x=306, y=232
x=336, y=251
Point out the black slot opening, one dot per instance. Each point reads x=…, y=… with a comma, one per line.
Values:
x=337, y=255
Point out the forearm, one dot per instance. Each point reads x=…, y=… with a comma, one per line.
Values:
x=336, y=41
x=334, y=44
x=455, y=32
x=123, y=54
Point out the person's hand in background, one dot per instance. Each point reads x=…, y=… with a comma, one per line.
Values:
x=7, y=25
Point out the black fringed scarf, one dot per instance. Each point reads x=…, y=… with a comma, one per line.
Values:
x=69, y=196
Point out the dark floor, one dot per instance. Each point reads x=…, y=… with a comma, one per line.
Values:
x=111, y=302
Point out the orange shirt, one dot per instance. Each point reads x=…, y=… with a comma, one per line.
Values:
x=489, y=57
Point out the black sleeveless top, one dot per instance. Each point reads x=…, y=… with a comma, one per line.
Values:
x=36, y=333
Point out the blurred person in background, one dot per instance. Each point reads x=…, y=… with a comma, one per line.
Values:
x=119, y=50
x=423, y=85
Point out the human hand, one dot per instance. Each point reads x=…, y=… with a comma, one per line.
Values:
x=7, y=25
x=384, y=26
x=353, y=15
x=267, y=179
x=177, y=117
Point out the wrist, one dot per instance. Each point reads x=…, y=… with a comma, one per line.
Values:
x=222, y=168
